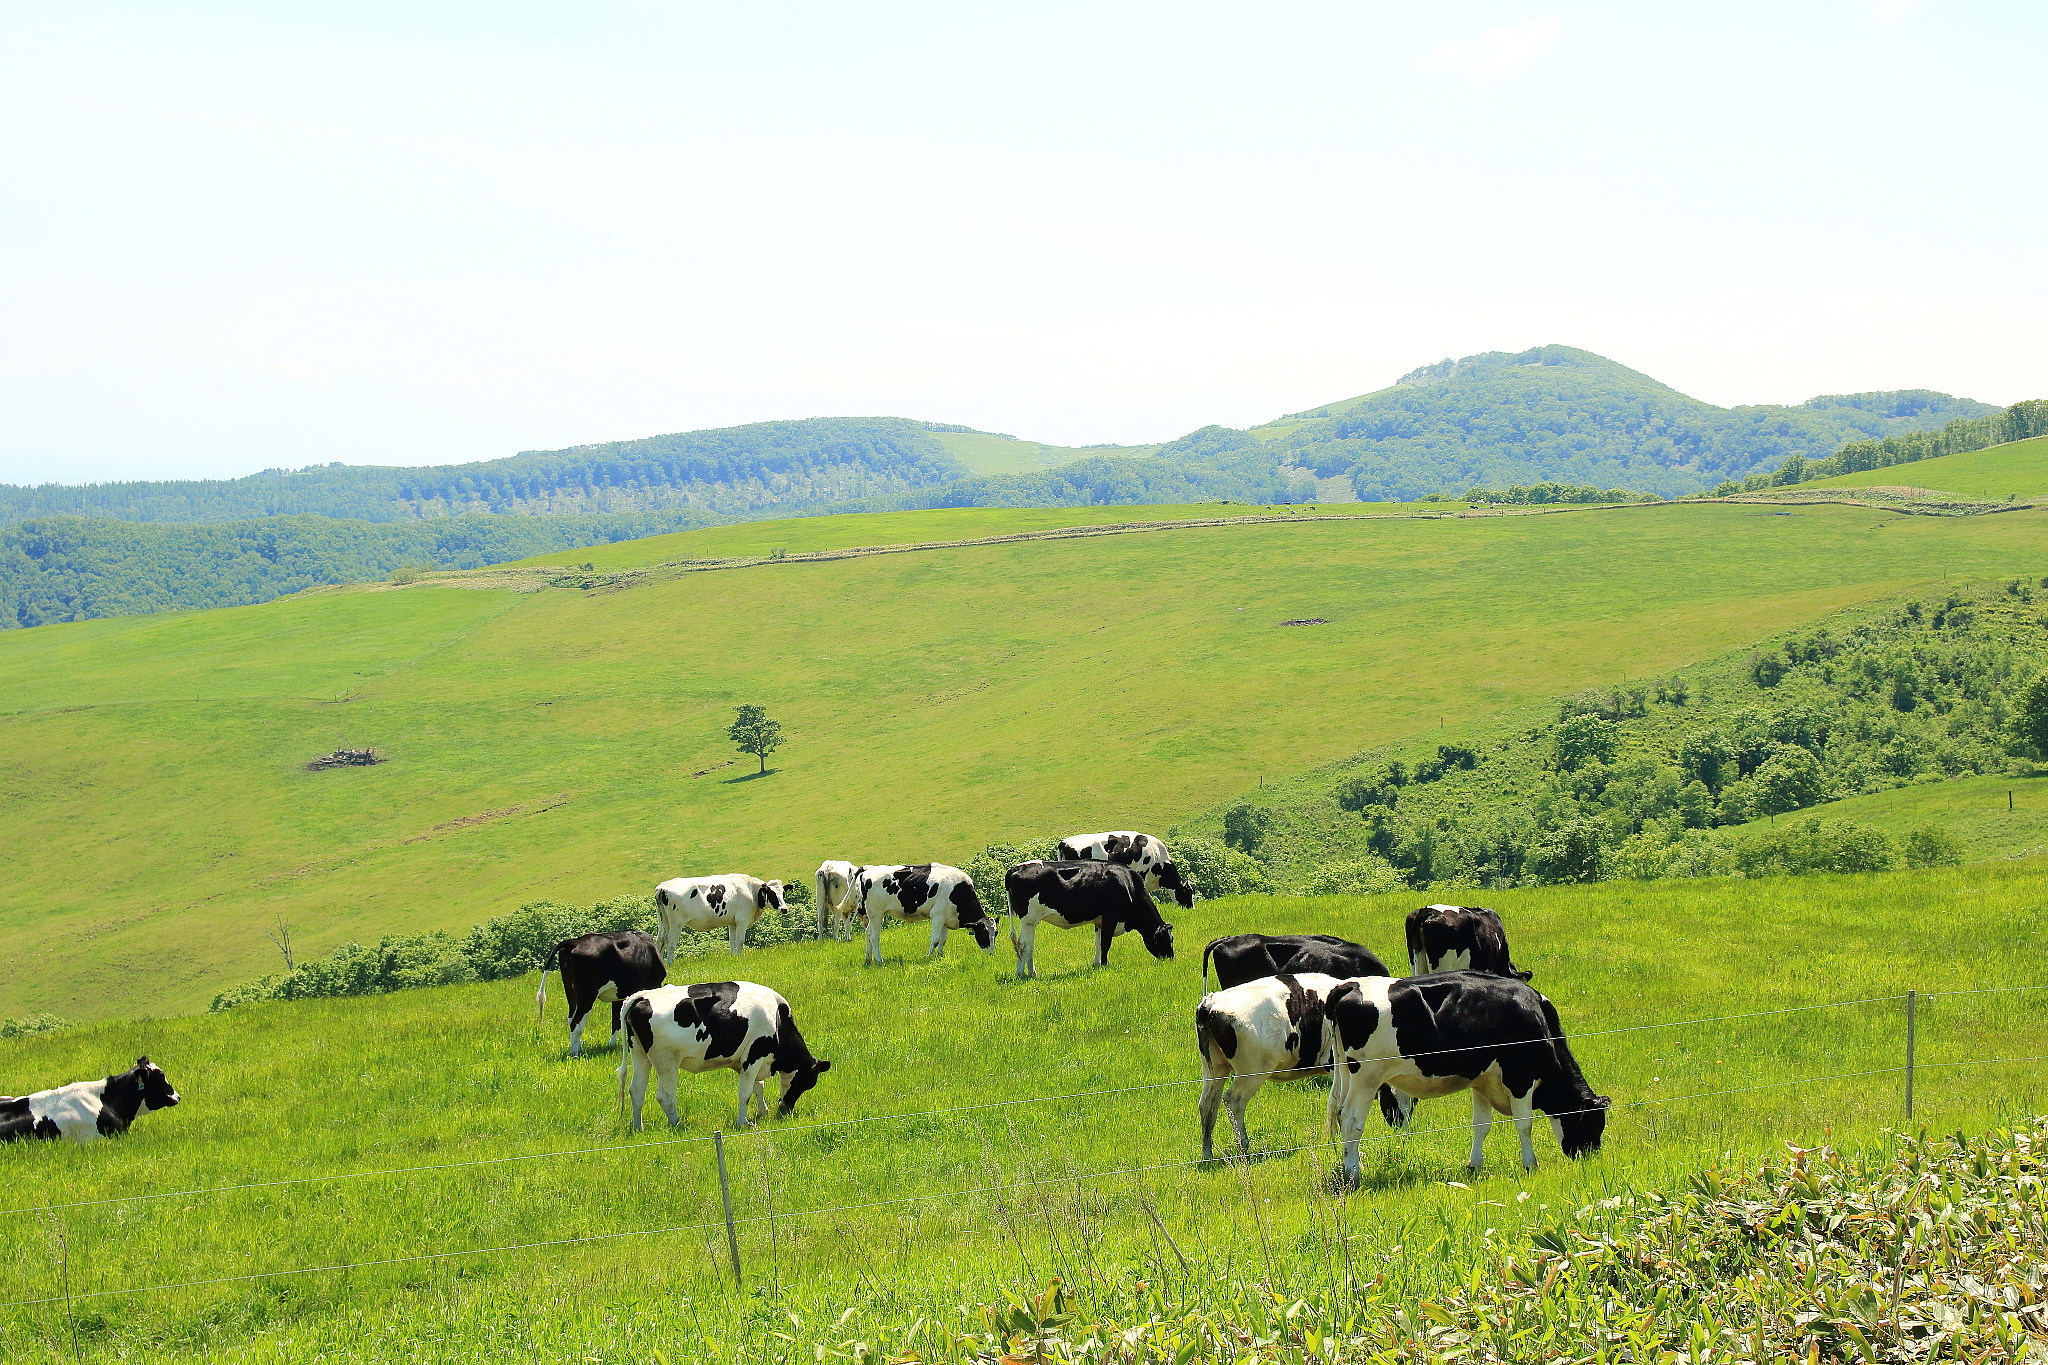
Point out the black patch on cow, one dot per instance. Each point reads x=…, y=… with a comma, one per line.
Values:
x=912, y=887
x=1305, y=1014
x=1167, y=874
x=770, y=897
x=1211, y=1027
x=17, y=1123
x=709, y=1008
x=714, y=896
x=1248, y=957
x=793, y=1061
x=639, y=1022
x=1354, y=1016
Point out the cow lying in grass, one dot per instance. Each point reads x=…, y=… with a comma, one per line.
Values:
x=734, y=1025
x=86, y=1110
x=1437, y=1035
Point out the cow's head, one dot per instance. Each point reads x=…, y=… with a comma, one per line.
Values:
x=795, y=1083
x=984, y=931
x=1580, y=1128
x=157, y=1090
x=771, y=895
x=1168, y=874
x=1159, y=940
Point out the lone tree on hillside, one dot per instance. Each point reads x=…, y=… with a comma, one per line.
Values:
x=755, y=734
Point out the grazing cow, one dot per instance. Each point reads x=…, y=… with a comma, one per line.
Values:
x=1451, y=1031
x=733, y=1024
x=606, y=966
x=1451, y=938
x=928, y=891
x=1270, y=1029
x=86, y=1110
x=1247, y=957
x=1143, y=853
x=833, y=884
x=1067, y=894
x=731, y=901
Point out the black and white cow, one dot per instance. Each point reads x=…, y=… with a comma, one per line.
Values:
x=1451, y=1031
x=1144, y=853
x=928, y=891
x=606, y=966
x=833, y=885
x=1247, y=957
x=1270, y=1029
x=731, y=901
x=1451, y=938
x=736, y=1025
x=85, y=1110
x=1069, y=894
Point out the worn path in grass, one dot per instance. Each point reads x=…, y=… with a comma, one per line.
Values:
x=155, y=818
x=442, y=1077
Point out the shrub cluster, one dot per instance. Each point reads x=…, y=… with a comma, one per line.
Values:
x=28, y=1025
x=495, y=950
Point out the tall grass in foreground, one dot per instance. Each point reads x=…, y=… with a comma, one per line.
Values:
x=923, y=1182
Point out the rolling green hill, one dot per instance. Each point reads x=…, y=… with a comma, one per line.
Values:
x=2017, y=469
x=987, y=452
x=945, y=1178
x=567, y=743
x=1559, y=414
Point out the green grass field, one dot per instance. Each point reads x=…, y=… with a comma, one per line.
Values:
x=2018, y=470
x=985, y=453
x=946, y=1176
x=1974, y=809
x=155, y=818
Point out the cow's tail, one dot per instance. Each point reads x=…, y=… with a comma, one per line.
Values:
x=820, y=885
x=1210, y=948
x=625, y=1051
x=540, y=995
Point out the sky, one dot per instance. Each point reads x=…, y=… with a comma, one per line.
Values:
x=236, y=236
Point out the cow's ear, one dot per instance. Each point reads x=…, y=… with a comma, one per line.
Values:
x=142, y=1061
x=823, y=1067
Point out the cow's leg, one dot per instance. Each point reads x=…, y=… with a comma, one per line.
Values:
x=1523, y=1111
x=1241, y=1091
x=1212, y=1095
x=640, y=1064
x=666, y=1093
x=1103, y=932
x=615, y=1022
x=1482, y=1122
x=1347, y=1110
x=579, y=1011
x=938, y=936
x=874, y=939
x=759, y=1071
x=1024, y=940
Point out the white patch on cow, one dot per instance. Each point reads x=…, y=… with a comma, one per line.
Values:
x=679, y=1048
x=685, y=903
x=1256, y=1013
x=873, y=899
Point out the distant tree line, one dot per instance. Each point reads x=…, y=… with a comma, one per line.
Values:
x=1537, y=494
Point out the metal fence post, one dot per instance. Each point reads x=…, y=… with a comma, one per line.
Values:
x=732, y=1236
x=1912, y=1000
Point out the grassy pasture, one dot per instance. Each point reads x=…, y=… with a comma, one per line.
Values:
x=799, y=535
x=155, y=817
x=1974, y=809
x=987, y=453
x=438, y=1078
x=2018, y=469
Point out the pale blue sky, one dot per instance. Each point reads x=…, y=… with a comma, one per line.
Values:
x=239, y=235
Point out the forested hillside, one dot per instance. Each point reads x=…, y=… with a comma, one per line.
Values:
x=80, y=568
x=730, y=471
x=1560, y=414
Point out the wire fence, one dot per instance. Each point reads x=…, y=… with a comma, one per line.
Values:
x=731, y=1223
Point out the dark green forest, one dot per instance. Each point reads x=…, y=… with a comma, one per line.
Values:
x=2016, y=423
x=1558, y=414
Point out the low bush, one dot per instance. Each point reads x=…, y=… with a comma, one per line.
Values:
x=1816, y=845
x=28, y=1025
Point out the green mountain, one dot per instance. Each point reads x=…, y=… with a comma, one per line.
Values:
x=1558, y=414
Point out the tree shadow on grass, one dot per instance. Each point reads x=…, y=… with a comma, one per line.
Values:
x=750, y=777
